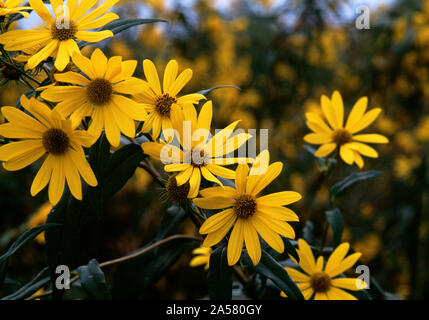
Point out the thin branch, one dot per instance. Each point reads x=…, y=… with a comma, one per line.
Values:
x=125, y=258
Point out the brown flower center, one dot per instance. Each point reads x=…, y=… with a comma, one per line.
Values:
x=55, y=141
x=163, y=104
x=320, y=282
x=341, y=136
x=63, y=30
x=178, y=194
x=245, y=206
x=99, y=91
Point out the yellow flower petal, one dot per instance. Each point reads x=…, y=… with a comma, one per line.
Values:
x=279, y=198
x=42, y=177
x=251, y=240
x=269, y=236
x=337, y=256
x=296, y=275
x=365, y=121
x=39, y=7
x=217, y=221
x=338, y=106
x=63, y=57
x=170, y=75
x=194, y=183
x=357, y=112
x=306, y=257
x=99, y=63
x=325, y=150
x=180, y=82
x=43, y=54
x=71, y=77
x=213, y=202
x=353, y=284
x=329, y=112
x=235, y=243
x=371, y=138
x=347, y=155
x=317, y=138
x=93, y=36
x=279, y=213
x=152, y=76
x=72, y=177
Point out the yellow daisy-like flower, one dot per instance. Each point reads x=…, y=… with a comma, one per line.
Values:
x=202, y=155
x=344, y=137
x=100, y=95
x=60, y=33
x=248, y=214
x=49, y=133
x=12, y=6
x=38, y=219
x=160, y=102
x=202, y=257
x=319, y=279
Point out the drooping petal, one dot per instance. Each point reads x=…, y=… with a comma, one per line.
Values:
x=216, y=221
x=43, y=54
x=235, y=243
x=325, y=150
x=251, y=240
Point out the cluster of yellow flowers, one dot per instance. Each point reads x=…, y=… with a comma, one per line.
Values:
x=105, y=90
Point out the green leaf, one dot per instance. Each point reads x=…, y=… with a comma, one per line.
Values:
x=92, y=280
x=118, y=26
x=337, y=188
x=271, y=269
x=219, y=275
x=289, y=248
x=123, y=163
x=132, y=277
x=335, y=220
x=308, y=231
x=31, y=287
x=76, y=242
x=208, y=91
x=172, y=218
x=21, y=241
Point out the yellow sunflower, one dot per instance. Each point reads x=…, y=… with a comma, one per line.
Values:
x=160, y=102
x=202, y=257
x=319, y=279
x=49, y=133
x=247, y=214
x=337, y=135
x=201, y=156
x=60, y=33
x=100, y=95
x=12, y=6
